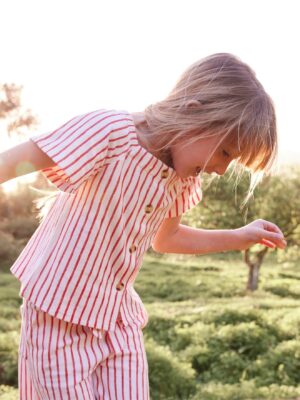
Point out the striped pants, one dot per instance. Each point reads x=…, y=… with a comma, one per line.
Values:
x=60, y=360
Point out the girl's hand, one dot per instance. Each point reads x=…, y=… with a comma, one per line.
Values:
x=263, y=232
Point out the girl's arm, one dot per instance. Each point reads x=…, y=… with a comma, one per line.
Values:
x=21, y=160
x=172, y=237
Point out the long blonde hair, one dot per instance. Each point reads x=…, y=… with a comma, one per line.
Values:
x=218, y=95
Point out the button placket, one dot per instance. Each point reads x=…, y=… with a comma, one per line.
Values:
x=120, y=286
x=164, y=173
x=132, y=249
x=148, y=208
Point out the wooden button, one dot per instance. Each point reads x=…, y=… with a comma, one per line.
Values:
x=164, y=173
x=132, y=248
x=120, y=286
x=148, y=208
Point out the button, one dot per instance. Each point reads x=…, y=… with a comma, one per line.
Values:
x=120, y=286
x=148, y=208
x=132, y=248
x=164, y=173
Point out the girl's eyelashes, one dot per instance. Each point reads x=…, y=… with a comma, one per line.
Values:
x=227, y=155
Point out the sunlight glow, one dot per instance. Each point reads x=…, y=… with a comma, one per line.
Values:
x=12, y=185
x=127, y=55
x=24, y=169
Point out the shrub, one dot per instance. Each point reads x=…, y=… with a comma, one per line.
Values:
x=245, y=390
x=21, y=227
x=284, y=290
x=248, y=339
x=203, y=359
x=236, y=317
x=279, y=366
x=169, y=378
x=232, y=317
x=8, y=393
x=8, y=251
x=9, y=344
x=161, y=330
x=290, y=323
x=291, y=254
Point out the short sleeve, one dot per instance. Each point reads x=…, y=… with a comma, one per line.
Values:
x=189, y=197
x=81, y=147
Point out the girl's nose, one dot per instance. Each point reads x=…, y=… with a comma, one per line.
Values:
x=220, y=172
x=221, y=169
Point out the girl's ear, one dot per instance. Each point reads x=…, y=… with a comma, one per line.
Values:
x=193, y=104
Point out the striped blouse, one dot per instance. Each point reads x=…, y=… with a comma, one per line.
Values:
x=81, y=263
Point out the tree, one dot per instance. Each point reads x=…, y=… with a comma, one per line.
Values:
x=276, y=199
x=18, y=219
x=15, y=120
x=12, y=114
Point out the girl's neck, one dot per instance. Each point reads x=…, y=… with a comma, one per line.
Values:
x=145, y=139
x=141, y=128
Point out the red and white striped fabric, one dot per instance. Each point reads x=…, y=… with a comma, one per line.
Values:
x=62, y=361
x=81, y=263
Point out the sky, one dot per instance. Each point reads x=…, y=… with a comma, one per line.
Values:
x=73, y=57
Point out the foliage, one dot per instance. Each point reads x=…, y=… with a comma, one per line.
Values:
x=279, y=366
x=17, y=119
x=245, y=390
x=276, y=199
x=8, y=393
x=239, y=348
x=221, y=208
x=169, y=376
x=20, y=227
x=18, y=221
x=18, y=203
x=7, y=247
x=292, y=253
x=202, y=344
x=9, y=358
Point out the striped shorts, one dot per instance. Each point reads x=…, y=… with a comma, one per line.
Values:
x=60, y=360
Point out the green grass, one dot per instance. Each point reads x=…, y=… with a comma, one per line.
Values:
x=208, y=338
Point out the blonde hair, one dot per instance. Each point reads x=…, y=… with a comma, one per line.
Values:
x=218, y=95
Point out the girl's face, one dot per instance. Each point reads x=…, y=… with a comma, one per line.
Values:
x=204, y=155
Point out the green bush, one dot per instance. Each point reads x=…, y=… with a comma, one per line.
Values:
x=10, y=296
x=228, y=353
x=169, y=378
x=8, y=393
x=21, y=227
x=202, y=359
x=232, y=317
x=8, y=250
x=248, y=339
x=245, y=390
x=280, y=365
x=230, y=367
x=290, y=323
x=161, y=330
x=9, y=344
x=197, y=334
x=205, y=347
x=175, y=333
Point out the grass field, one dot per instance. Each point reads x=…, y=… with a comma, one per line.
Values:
x=207, y=338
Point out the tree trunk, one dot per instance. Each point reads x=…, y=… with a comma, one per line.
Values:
x=254, y=264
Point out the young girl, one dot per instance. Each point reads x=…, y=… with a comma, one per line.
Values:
x=125, y=180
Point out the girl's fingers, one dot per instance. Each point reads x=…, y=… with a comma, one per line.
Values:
x=269, y=226
x=273, y=236
x=267, y=243
x=273, y=240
